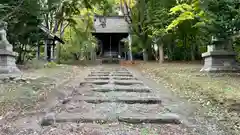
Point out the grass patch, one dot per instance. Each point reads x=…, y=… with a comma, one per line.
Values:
x=219, y=92
x=22, y=95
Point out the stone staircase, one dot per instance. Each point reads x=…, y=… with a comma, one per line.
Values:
x=113, y=96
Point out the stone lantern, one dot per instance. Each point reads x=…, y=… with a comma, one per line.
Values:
x=7, y=56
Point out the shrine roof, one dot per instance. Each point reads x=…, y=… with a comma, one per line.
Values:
x=110, y=24
x=50, y=35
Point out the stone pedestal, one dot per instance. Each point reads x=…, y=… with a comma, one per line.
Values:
x=220, y=61
x=7, y=56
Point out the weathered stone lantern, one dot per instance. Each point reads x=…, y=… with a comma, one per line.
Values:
x=7, y=56
x=220, y=57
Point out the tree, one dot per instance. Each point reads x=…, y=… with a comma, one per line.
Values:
x=23, y=33
x=188, y=18
x=224, y=24
x=159, y=19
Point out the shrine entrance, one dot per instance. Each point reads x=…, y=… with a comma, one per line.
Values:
x=110, y=45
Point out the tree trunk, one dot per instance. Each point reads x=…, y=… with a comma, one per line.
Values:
x=161, y=53
x=193, y=50
x=130, y=48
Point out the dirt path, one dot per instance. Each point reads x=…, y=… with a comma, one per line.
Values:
x=113, y=101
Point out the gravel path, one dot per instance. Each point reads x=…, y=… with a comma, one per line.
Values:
x=111, y=101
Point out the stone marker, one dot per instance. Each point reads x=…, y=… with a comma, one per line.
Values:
x=48, y=119
x=7, y=56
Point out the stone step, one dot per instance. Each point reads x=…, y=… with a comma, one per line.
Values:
x=126, y=118
x=101, y=75
x=117, y=82
x=127, y=100
x=97, y=77
x=124, y=78
x=110, y=72
x=100, y=72
x=98, y=82
x=127, y=82
x=157, y=119
x=127, y=75
x=110, y=77
x=122, y=90
x=115, y=75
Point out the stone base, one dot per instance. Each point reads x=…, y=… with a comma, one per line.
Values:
x=7, y=64
x=9, y=70
x=220, y=61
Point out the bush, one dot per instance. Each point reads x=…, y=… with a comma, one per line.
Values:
x=50, y=65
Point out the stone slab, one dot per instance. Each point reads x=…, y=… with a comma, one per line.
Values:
x=99, y=74
x=127, y=82
x=122, y=87
x=81, y=118
x=124, y=78
x=126, y=75
x=97, y=78
x=139, y=90
x=110, y=77
x=93, y=75
x=137, y=100
x=158, y=119
x=99, y=82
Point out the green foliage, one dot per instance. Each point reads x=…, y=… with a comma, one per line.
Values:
x=50, y=65
x=224, y=15
x=184, y=28
x=80, y=42
x=187, y=12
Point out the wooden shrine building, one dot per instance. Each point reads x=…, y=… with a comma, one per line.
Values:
x=110, y=30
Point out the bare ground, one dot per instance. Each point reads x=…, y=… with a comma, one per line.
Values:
x=217, y=94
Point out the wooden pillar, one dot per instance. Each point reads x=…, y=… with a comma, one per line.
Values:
x=38, y=52
x=119, y=49
x=52, y=51
x=110, y=46
x=46, y=49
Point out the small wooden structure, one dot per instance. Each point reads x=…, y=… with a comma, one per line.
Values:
x=50, y=44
